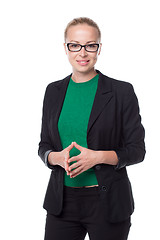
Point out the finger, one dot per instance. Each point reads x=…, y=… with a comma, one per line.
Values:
x=67, y=156
x=66, y=165
x=73, y=166
x=76, y=172
x=70, y=146
x=68, y=173
x=80, y=148
x=74, y=159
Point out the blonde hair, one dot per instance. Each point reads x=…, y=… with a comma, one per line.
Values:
x=81, y=20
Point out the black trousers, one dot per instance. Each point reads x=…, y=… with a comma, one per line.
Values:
x=82, y=214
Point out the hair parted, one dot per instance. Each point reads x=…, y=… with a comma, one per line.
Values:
x=81, y=20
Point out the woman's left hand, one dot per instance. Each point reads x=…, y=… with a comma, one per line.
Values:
x=85, y=160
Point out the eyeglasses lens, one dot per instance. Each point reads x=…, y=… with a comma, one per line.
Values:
x=74, y=47
x=92, y=48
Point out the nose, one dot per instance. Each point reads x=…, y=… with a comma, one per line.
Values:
x=83, y=52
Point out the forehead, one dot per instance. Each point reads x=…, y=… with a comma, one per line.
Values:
x=82, y=33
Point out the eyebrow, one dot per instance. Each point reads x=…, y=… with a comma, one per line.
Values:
x=86, y=42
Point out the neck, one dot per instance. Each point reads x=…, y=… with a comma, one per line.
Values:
x=83, y=77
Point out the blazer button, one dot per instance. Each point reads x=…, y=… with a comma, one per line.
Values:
x=104, y=188
x=97, y=167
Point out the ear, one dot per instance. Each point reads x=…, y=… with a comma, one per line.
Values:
x=99, y=50
x=65, y=47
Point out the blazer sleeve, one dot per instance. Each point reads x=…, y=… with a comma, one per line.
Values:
x=45, y=145
x=133, y=133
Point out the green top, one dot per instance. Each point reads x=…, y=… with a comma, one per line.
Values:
x=73, y=123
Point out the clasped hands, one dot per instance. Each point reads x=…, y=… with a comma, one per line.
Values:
x=80, y=163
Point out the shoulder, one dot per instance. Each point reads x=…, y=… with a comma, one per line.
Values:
x=122, y=87
x=56, y=85
x=122, y=91
x=118, y=86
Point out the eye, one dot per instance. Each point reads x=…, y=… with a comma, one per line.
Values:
x=74, y=45
x=92, y=46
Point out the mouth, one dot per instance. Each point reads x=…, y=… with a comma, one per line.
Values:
x=83, y=62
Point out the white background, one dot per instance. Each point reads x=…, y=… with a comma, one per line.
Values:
x=31, y=56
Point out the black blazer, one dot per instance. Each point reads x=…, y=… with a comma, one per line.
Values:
x=114, y=124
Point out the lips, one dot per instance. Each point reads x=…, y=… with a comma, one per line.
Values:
x=83, y=62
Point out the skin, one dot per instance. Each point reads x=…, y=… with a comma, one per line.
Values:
x=82, y=34
x=82, y=63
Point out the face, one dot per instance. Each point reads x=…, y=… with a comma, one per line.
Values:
x=82, y=61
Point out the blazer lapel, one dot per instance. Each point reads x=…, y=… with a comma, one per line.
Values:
x=102, y=97
x=62, y=88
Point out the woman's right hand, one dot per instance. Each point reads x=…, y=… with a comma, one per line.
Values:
x=61, y=158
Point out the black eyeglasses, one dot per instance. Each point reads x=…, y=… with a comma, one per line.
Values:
x=75, y=47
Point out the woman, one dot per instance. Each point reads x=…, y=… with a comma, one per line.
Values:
x=91, y=130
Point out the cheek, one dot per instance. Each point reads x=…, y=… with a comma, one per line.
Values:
x=71, y=57
x=95, y=57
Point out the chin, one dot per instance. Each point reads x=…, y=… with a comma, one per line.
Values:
x=83, y=69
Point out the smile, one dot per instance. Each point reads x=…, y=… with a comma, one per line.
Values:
x=82, y=62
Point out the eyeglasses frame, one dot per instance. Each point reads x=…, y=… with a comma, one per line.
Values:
x=97, y=44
